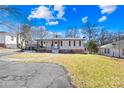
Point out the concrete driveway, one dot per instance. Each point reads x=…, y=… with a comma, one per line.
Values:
x=32, y=75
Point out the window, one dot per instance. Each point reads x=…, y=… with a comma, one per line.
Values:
x=79, y=43
x=122, y=51
x=52, y=43
x=108, y=51
x=74, y=43
x=105, y=51
x=41, y=43
x=69, y=43
x=12, y=38
x=61, y=42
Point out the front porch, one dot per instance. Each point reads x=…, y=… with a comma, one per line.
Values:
x=48, y=46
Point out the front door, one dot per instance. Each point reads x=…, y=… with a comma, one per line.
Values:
x=55, y=44
x=55, y=47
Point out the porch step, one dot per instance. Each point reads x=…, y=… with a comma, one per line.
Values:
x=55, y=50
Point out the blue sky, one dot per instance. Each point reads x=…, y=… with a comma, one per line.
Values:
x=59, y=18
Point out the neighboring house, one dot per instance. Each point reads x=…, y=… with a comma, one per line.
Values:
x=115, y=49
x=61, y=45
x=8, y=40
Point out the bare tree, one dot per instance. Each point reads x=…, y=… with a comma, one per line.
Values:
x=9, y=10
x=103, y=36
x=56, y=35
x=6, y=11
x=90, y=31
x=42, y=32
x=72, y=32
x=39, y=32
x=106, y=37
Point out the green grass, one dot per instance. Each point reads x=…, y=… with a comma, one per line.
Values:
x=87, y=70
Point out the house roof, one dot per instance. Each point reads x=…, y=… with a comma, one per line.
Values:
x=2, y=32
x=7, y=33
x=59, y=39
x=117, y=44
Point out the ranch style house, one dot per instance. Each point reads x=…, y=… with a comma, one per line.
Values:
x=61, y=45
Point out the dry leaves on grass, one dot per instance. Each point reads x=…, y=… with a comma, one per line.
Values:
x=86, y=70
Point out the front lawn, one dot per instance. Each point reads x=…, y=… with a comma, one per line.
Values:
x=85, y=70
x=28, y=55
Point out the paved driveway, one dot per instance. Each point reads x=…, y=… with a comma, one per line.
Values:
x=5, y=52
x=32, y=75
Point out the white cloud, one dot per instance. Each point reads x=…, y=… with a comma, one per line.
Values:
x=85, y=19
x=41, y=12
x=60, y=10
x=102, y=19
x=52, y=23
x=107, y=9
x=48, y=13
x=74, y=9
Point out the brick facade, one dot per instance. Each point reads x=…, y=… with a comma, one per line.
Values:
x=80, y=51
x=2, y=45
x=44, y=50
x=71, y=51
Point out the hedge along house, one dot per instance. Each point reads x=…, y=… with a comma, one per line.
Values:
x=8, y=40
x=115, y=49
x=61, y=45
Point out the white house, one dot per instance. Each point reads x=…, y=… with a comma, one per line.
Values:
x=62, y=45
x=115, y=49
x=8, y=40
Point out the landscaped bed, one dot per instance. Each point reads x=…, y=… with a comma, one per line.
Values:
x=84, y=70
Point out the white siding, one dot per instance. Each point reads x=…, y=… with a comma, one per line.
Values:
x=65, y=44
x=121, y=53
x=8, y=39
x=2, y=37
x=113, y=52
